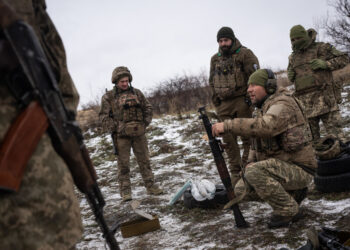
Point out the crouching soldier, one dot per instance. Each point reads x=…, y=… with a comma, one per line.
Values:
x=125, y=112
x=281, y=154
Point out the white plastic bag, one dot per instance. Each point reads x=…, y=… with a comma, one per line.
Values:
x=202, y=190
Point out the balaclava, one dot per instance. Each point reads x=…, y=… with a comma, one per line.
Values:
x=299, y=31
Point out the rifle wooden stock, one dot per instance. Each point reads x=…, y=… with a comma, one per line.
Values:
x=19, y=144
x=222, y=168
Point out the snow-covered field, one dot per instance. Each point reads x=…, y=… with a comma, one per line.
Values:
x=178, y=153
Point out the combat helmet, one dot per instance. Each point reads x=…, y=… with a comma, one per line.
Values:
x=328, y=148
x=120, y=72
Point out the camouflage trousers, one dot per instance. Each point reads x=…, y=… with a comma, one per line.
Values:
x=332, y=122
x=230, y=109
x=270, y=180
x=140, y=149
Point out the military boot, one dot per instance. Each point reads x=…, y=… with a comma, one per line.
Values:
x=277, y=221
x=154, y=190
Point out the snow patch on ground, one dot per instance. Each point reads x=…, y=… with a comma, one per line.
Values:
x=181, y=228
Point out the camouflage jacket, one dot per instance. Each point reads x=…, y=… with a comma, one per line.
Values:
x=279, y=130
x=121, y=107
x=229, y=74
x=316, y=89
x=45, y=208
x=34, y=13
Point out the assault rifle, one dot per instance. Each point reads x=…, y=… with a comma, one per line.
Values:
x=216, y=149
x=36, y=89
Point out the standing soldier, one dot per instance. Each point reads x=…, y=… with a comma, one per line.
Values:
x=310, y=69
x=230, y=69
x=125, y=112
x=281, y=152
x=44, y=213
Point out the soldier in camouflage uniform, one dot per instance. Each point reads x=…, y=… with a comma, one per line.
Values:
x=280, y=151
x=44, y=213
x=310, y=69
x=125, y=112
x=230, y=69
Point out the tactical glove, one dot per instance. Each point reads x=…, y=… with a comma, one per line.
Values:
x=291, y=75
x=318, y=64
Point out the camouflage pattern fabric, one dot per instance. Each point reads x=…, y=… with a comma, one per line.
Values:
x=281, y=140
x=120, y=107
x=34, y=13
x=229, y=109
x=228, y=80
x=140, y=149
x=45, y=213
x=126, y=107
x=316, y=88
x=331, y=121
x=229, y=75
x=279, y=130
x=120, y=72
x=271, y=179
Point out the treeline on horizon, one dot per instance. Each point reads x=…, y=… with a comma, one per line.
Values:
x=179, y=94
x=175, y=95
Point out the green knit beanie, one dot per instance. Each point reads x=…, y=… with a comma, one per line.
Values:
x=259, y=77
x=297, y=31
x=225, y=32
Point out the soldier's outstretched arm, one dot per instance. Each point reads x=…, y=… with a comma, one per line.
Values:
x=335, y=58
x=274, y=122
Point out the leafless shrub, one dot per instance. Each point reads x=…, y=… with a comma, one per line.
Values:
x=88, y=115
x=180, y=94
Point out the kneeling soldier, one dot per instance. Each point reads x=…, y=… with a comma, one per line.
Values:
x=281, y=150
x=125, y=112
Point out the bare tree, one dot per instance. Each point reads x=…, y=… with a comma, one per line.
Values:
x=338, y=28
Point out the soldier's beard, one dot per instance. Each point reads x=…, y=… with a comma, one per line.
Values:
x=225, y=49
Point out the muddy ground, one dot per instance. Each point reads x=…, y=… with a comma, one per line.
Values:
x=178, y=154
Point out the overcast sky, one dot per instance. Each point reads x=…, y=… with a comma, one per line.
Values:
x=159, y=39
